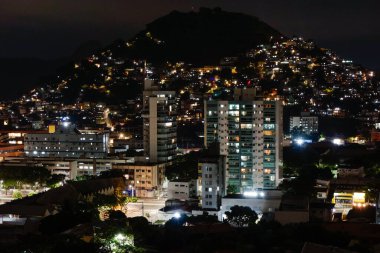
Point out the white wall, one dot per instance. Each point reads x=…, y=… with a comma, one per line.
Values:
x=181, y=190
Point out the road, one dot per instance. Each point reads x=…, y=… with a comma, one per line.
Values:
x=146, y=207
x=7, y=196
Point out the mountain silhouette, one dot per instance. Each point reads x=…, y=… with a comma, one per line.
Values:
x=202, y=37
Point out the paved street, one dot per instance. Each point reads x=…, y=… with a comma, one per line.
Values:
x=146, y=207
x=7, y=196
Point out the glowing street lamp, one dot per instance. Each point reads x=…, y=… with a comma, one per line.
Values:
x=177, y=215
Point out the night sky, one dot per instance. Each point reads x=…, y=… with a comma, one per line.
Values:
x=55, y=28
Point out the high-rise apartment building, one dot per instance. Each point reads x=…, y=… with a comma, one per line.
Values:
x=305, y=123
x=66, y=141
x=159, y=119
x=249, y=130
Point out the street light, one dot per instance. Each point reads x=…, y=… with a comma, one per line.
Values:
x=132, y=189
x=119, y=237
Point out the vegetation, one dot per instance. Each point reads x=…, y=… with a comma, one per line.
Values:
x=241, y=216
x=202, y=219
x=68, y=217
x=365, y=214
x=16, y=176
x=17, y=194
x=121, y=234
x=143, y=232
x=115, y=237
x=106, y=203
x=55, y=180
x=303, y=184
x=111, y=174
x=57, y=243
x=183, y=36
x=261, y=237
x=111, y=235
x=176, y=221
x=186, y=166
x=232, y=189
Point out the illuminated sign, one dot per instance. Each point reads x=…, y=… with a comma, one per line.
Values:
x=51, y=129
x=359, y=197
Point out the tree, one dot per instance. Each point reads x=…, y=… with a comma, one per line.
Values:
x=114, y=237
x=241, y=216
x=143, y=233
x=15, y=176
x=111, y=174
x=105, y=201
x=367, y=213
x=232, y=189
x=302, y=185
x=57, y=243
x=116, y=215
x=176, y=222
x=55, y=180
x=204, y=218
x=138, y=222
x=17, y=195
x=70, y=216
x=185, y=167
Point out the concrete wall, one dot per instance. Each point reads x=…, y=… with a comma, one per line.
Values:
x=182, y=190
x=269, y=203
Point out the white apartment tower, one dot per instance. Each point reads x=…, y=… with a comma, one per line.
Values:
x=249, y=130
x=211, y=182
x=160, y=126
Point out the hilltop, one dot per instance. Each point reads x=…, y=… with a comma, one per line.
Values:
x=209, y=53
x=202, y=37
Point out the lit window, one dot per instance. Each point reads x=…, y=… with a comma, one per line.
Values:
x=168, y=124
x=267, y=132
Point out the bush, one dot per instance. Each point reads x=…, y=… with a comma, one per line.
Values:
x=17, y=195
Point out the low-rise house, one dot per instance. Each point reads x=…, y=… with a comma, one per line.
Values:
x=183, y=190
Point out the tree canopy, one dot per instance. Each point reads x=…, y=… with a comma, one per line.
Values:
x=185, y=167
x=14, y=176
x=241, y=216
